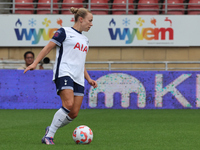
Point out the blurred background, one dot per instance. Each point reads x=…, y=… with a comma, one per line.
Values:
x=106, y=53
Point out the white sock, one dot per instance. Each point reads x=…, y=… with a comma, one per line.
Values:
x=60, y=119
x=66, y=121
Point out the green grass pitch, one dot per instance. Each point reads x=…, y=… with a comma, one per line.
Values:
x=113, y=130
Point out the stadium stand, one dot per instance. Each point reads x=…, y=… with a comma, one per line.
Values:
x=148, y=7
x=24, y=7
x=174, y=7
x=44, y=6
x=194, y=7
x=102, y=7
x=119, y=7
x=99, y=7
x=5, y=6
x=67, y=4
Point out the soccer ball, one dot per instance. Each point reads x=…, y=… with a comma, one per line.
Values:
x=82, y=135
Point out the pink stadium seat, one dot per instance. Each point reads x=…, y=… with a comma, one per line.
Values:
x=102, y=5
x=196, y=6
x=148, y=7
x=44, y=7
x=121, y=4
x=177, y=5
x=22, y=5
x=67, y=4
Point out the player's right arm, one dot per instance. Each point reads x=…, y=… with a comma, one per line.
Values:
x=41, y=55
x=57, y=39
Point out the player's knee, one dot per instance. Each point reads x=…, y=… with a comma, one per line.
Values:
x=68, y=105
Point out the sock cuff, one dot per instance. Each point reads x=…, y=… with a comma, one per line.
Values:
x=68, y=118
x=65, y=109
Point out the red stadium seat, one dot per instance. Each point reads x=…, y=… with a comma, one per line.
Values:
x=22, y=5
x=195, y=6
x=148, y=7
x=44, y=7
x=102, y=5
x=67, y=4
x=176, y=5
x=121, y=4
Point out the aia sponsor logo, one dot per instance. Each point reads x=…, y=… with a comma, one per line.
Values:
x=81, y=47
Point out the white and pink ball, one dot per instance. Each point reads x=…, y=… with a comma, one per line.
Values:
x=82, y=135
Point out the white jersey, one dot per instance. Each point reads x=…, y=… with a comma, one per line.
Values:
x=71, y=50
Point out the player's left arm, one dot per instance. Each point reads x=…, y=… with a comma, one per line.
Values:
x=90, y=81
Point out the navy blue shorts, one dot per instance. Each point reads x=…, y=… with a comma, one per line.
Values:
x=66, y=82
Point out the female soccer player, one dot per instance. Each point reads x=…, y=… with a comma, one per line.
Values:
x=69, y=69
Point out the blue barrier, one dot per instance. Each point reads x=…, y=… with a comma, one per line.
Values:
x=116, y=90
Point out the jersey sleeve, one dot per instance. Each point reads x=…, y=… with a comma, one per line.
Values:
x=59, y=37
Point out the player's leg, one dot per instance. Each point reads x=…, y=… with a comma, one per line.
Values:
x=76, y=107
x=61, y=116
x=67, y=96
x=78, y=98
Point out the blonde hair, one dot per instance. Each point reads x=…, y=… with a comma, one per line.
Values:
x=79, y=12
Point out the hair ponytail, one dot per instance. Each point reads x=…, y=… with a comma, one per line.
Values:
x=79, y=12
